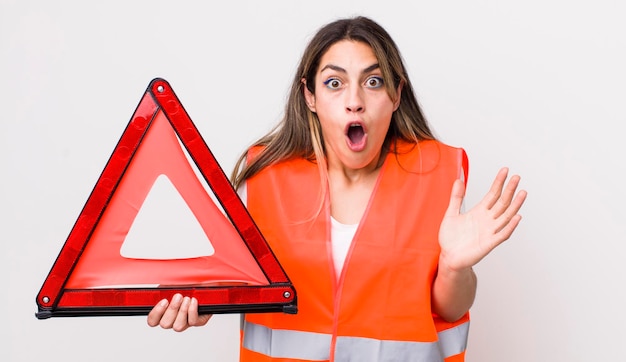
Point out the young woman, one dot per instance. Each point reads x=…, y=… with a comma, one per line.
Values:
x=362, y=207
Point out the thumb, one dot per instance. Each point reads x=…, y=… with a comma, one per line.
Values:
x=456, y=198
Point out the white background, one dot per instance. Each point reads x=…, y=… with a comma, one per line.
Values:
x=536, y=85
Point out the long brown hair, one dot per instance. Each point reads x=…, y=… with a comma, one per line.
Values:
x=298, y=134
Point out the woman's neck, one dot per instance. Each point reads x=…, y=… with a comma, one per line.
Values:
x=351, y=190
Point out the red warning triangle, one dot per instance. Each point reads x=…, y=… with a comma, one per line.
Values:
x=99, y=270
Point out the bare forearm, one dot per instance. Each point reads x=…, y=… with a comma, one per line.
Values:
x=453, y=292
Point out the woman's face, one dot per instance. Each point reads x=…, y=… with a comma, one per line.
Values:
x=352, y=105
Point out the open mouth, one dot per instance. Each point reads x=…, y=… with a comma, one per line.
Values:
x=356, y=136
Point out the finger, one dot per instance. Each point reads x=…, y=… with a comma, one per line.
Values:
x=504, y=201
x=155, y=315
x=510, y=218
x=502, y=235
x=456, y=198
x=495, y=190
x=182, y=322
x=506, y=232
x=194, y=318
x=169, y=317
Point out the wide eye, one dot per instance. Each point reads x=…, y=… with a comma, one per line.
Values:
x=333, y=83
x=374, y=82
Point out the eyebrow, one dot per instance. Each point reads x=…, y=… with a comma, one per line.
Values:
x=341, y=70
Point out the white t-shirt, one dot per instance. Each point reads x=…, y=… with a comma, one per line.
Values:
x=341, y=236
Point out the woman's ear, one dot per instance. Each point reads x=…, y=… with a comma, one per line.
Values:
x=396, y=104
x=308, y=96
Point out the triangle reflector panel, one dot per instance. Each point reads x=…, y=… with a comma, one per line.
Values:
x=123, y=254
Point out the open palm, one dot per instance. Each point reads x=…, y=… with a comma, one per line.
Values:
x=466, y=238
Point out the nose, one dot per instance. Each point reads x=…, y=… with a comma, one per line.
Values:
x=354, y=101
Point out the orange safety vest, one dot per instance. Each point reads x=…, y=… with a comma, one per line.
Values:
x=379, y=309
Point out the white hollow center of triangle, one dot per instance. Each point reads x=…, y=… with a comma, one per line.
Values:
x=165, y=227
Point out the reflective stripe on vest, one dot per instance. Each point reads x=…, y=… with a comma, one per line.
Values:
x=280, y=343
x=453, y=341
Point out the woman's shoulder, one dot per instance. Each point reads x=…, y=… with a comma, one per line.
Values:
x=289, y=164
x=254, y=151
x=427, y=154
x=423, y=146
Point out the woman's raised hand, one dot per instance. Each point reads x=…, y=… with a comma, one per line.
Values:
x=466, y=238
